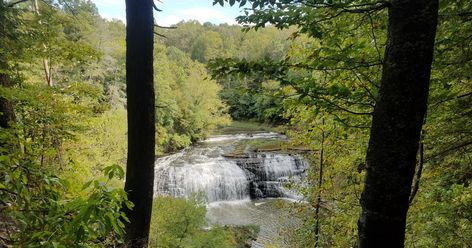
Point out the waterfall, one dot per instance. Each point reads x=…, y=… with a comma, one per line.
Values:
x=203, y=169
x=218, y=179
x=274, y=167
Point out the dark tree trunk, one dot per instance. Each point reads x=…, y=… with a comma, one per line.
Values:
x=320, y=184
x=141, y=119
x=7, y=113
x=397, y=121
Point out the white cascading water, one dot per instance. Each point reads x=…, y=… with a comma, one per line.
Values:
x=203, y=169
x=278, y=166
x=218, y=179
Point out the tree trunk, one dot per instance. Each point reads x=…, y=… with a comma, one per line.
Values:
x=47, y=68
x=396, y=123
x=141, y=119
x=35, y=6
x=47, y=71
x=320, y=184
x=416, y=184
x=7, y=112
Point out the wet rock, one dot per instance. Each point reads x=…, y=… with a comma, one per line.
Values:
x=255, y=192
x=271, y=189
x=266, y=172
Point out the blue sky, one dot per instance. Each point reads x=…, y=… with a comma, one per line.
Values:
x=175, y=11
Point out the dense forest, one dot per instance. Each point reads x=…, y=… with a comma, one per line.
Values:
x=317, y=70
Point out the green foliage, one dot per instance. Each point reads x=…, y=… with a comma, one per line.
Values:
x=207, y=46
x=245, y=127
x=37, y=205
x=344, y=150
x=440, y=209
x=244, y=96
x=178, y=222
x=244, y=235
x=102, y=142
x=188, y=106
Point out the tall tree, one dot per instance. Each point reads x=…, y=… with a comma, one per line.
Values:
x=8, y=39
x=7, y=113
x=397, y=121
x=141, y=119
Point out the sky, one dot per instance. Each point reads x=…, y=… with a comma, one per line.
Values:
x=174, y=11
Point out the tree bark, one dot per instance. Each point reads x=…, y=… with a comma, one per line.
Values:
x=416, y=184
x=47, y=71
x=47, y=68
x=397, y=122
x=141, y=119
x=7, y=112
x=35, y=6
x=320, y=184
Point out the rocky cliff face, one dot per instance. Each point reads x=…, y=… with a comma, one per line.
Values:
x=266, y=172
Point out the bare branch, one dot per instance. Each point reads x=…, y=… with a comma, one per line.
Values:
x=353, y=8
x=343, y=122
x=359, y=65
x=155, y=7
x=160, y=35
x=462, y=145
x=374, y=37
x=369, y=92
x=15, y=3
x=452, y=98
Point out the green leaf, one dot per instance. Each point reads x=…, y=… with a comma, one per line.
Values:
x=129, y=204
x=87, y=184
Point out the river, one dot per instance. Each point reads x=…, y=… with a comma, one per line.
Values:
x=242, y=190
